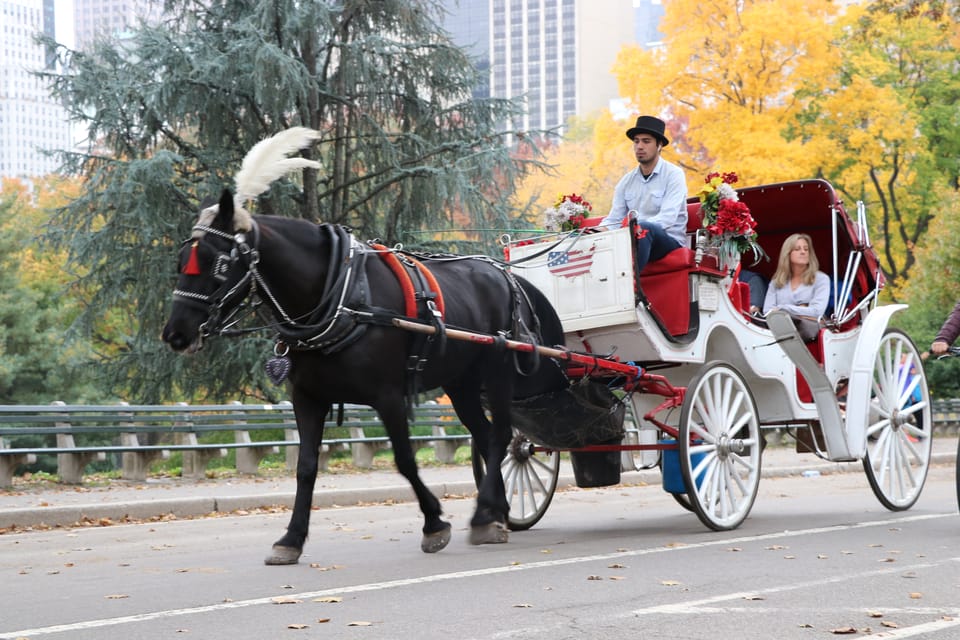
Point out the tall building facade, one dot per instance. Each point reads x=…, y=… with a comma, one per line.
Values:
x=555, y=55
x=97, y=18
x=31, y=121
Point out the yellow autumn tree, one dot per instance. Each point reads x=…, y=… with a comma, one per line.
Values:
x=41, y=265
x=571, y=171
x=883, y=125
x=726, y=81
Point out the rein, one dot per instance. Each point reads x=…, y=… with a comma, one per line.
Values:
x=344, y=309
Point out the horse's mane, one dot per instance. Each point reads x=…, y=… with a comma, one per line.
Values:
x=265, y=162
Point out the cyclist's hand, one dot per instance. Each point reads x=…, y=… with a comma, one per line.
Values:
x=939, y=347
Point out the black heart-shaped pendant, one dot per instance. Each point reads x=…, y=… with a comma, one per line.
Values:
x=277, y=368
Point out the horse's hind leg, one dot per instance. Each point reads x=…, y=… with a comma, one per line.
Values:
x=310, y=417
x=436, y=531
x=489, y=522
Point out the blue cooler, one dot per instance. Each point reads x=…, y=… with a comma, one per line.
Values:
x=670, y=468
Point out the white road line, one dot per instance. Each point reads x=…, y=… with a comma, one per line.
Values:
x=692, y=606
x=458, y=575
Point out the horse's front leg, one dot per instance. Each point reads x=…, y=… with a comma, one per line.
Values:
x=436, y=531
x=310, y=416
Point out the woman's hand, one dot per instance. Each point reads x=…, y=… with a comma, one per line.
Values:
x=939, y=347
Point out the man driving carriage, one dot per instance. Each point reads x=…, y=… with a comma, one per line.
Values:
x=655, y=193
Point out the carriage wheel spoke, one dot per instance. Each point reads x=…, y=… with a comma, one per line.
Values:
x=719, y=432
x=899, y=442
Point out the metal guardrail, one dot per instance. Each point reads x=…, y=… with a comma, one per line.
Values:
x=141, y=434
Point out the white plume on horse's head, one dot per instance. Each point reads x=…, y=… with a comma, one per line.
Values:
x=265, y=162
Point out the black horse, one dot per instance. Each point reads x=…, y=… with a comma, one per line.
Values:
x=332, y=302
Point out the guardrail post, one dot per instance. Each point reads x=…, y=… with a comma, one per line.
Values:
x=194, y=461
x=70, y=466
x=444, y=450
x=136, y=464
x=249, y=457
x=9, y=464
x=361, y=453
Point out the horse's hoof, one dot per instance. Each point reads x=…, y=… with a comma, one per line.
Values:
x=493, y=533
x=433, y=542
x=283, y=555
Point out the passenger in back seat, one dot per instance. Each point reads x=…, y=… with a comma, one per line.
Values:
x=655, y=193
x=798, y=286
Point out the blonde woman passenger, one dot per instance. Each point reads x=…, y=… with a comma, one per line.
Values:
x=798, y=286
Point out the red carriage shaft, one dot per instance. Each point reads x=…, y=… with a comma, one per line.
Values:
x=553, y=352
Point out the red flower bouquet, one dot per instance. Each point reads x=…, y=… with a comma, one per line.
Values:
x=725, y=218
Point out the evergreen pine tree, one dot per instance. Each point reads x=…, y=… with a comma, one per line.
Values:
x=172, y=108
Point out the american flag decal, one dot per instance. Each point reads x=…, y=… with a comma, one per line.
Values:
x=570, y=264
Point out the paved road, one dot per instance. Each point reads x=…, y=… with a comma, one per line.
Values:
x=818, y=555
x=65, y=506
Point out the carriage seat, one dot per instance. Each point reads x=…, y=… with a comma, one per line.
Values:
x=676, y=260
x=665, y=282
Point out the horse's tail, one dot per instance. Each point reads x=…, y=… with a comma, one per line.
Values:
x=548, y=374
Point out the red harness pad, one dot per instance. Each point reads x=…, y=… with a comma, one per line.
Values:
x=406, y=283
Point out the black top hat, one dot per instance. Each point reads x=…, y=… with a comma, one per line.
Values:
x=649, y=124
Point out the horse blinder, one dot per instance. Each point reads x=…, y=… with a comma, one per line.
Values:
x=223, y=263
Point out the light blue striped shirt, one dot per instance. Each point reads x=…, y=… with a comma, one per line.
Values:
x=661, y=198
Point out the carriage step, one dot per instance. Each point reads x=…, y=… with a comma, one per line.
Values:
x=785, y=332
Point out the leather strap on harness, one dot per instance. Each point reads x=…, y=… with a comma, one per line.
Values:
x=406, y=282
x=425, y=290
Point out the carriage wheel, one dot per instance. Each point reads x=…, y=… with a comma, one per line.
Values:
x=719, y=446
x=684, y=501
x=956, y=472
x=530, y=479
x=899, y=429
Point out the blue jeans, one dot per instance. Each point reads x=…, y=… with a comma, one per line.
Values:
x=758, y=287
x=654, y=245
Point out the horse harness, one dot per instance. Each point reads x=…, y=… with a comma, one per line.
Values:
x=345, y=308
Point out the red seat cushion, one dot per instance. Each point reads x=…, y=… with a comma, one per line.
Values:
x=676, y=260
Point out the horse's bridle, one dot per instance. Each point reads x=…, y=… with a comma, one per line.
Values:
x=323, y=324
x=214, y=303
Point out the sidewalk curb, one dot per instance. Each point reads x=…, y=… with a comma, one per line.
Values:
x=187, y=507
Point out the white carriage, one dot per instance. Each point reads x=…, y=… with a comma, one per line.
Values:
x=708, y=380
